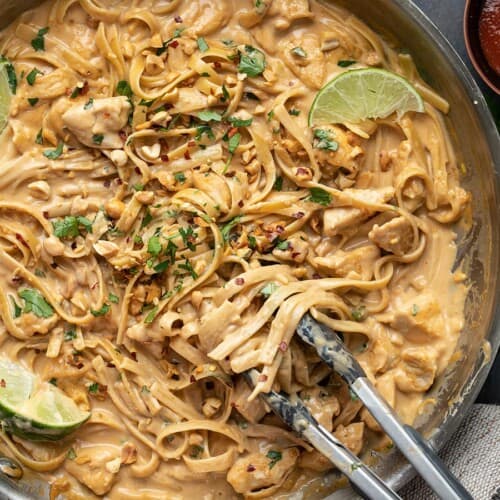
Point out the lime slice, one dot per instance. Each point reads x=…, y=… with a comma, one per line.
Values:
x=33, y=409
x=364, y=93
x=5, y=94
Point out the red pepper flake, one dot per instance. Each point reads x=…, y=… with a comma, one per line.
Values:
x=94, y=286
x=251, y=468
x=232, y=131
x=192, y=379
x=178, y=19
x=110, y=365
x=20, y=238
x=85, y=89
x=45, y=214
x=137, y=170
x=16, y=279
x=316, y=276
x=118, y=181
x=174, y=44
x=283, y=346
x=280, y=229
x=262, y=378
x=295, y=255
x=298, y=215
x=164, y=158
x=191, y=144
x=240, y=203
x=133, y=355
x=302, y=171
x=217, y=65
x=106, y=115
x=239, y=281
x=3, y=383
x=107, y=183
x=187, y=155
x=123, y=135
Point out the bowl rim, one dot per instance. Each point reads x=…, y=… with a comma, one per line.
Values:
x=468, y=35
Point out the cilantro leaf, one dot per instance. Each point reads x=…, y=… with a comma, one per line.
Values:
x=151, y=315
x=31, y=78
x=274, y=457
x=102, y=311
x=124, y=88
x=38, y=43
x=154, y=246
x=269, y=289
x=69, y=335
x=33, y=101
x=323, y=140
x=234, y=142
x=186, y=266
x=35, y=302
x=17, y=310
x=345, y=63
x=188, y=236
x=89, y=104
x=319, y=195
x=204, y=130
x=283, y=245
x=238, y=122
x=226, y=230
x=97, y=139
x=252, y=62
x=114, y=299
x=69, y=227
x=202, y=44
x=209, y=116
x=54, y=154
x=180, y=177
x=278, y=184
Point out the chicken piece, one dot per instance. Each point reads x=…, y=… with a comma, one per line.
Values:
x=351, y=436
x=314, y=460
x=346, y=155
x=305, y=59
x=93, y=467
x=99, y=125
x=419, y=319
x=291, y=10
x=296, y=251
x=258, y=471
x=190, y=100
x=322, y=405
x=356, y=264
x=31, y=324
x=253, y=411
x=395, y=236
x=417, y=369
x=338, y=219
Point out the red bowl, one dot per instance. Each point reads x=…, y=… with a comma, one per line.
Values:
x=471, y=34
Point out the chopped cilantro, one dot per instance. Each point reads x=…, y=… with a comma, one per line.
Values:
x=31, y=78
x=124, y=88
x=299, y=51
x=294, y=112
x=148, y=104
x=138, y=187
x=204, y=130
x=278, y=184
x=89, y=104
x=283, y=245
x=114, y=299
x=97, y=139
x=17, y=310
x=202, y=44
x=70, y=226
x=252, y=242
x=39, y=137
x=151, y=315
x=35, y=302
x=269, y=289
x=186, y=266
x=358, y=313
x=38, y=43
x=345, y=63
x=324, y=140
x=225, y=94
x=226, y=230
x=71, y=454
x=274, y=457
x=94, y=388
x=415, y=309
x=319, y=195
x=54, y=154
x=188, y=235
x=209, y=116
x=252, y=62
x=163, y=48
x=147, y=218
x=171, y=251
x=101, y=312
x=69, y=335
x=234, y=142
x=180, y=177
x=238, y=122
x=154, y=246
x=33, y=101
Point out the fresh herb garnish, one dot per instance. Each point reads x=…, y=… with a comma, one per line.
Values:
x=154, y=246
x=180, y=177
x=102, y=311
x=324, y=140
x=274, y=457
x=319, y=195
x=93, y=388
x=188, y=236
x=39, y=137
x=252, y=62
x=204, y=130
x=283, y=245
x=269, y=289
x=163, y=48
x=89, y=104
x=151, y=315
x=147, y=218
x=17, y=309
x=294, y=112
x=114, y=299
x=54, y=154
x=35, y=302
x=69, y=335
x=226, y=230
x=97, y=139
x=358, y=313
x=299, y=51
x=33, y=101
x=225, y=94
x=239, y=122
x=70, y=226
x=31, y=78
x=209, y=116
x=202, y=44
x=124, y=88
x=71, y=454
x=234, y=142
x=278, y=184
x=186, y=266
x=345, y=63
x=415, y=310
x=38, y=43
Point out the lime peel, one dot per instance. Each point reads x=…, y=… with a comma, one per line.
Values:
x=360, y=94
x=33, y=409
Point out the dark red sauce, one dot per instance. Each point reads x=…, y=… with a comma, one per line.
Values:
x=489, y=33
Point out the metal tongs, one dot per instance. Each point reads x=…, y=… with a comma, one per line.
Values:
x=332, y=351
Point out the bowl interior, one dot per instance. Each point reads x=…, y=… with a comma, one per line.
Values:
x=473, y=44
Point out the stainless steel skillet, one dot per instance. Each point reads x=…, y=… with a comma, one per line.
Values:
x=478, y=146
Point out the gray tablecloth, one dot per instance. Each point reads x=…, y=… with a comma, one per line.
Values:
x=473, y=455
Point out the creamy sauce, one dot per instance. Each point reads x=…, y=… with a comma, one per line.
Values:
x=209, y=240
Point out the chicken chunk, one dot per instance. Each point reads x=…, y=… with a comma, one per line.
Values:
x=292, y=10
x=419, y=319
x=356, y=264
x=338, y=219
x=417, y=369
x=305, y=59
x=314, y=460
x=100, y=124
x=352, y=436
x=94, y=467
x=395, y=236
x=253, y=411
x=322, y=405
x=296, y=251
x=258, y=471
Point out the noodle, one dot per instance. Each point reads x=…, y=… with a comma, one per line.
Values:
x=177, y=215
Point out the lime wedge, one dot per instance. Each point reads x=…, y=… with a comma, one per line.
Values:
x=364, y=93
x=33, y=409
x=5, y=93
